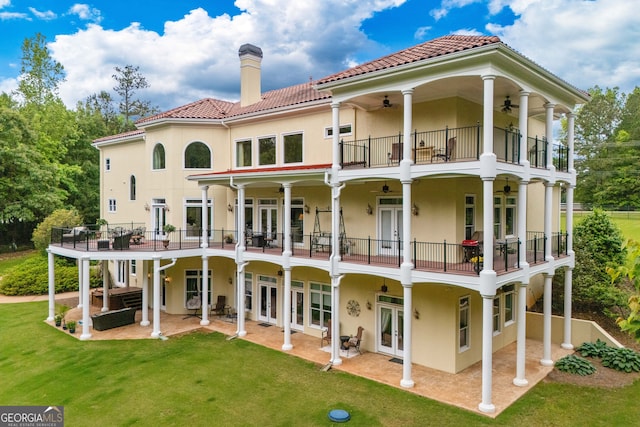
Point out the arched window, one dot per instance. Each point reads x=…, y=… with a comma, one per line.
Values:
x=197, y=156
x=132, y=187
x=158, y=157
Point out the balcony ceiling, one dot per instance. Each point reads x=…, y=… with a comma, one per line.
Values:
x=469, y=88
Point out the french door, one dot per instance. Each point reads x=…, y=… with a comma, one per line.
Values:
x=268, y=302
x=390, y=329
x=158, y=218
x=297, y=309
x=389, y=226
x=268, y=220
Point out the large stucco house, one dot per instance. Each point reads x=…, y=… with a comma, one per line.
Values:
x=416, y=195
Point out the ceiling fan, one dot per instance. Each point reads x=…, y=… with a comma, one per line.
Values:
x=384, y=190
x=506, y=190
x=507, y=105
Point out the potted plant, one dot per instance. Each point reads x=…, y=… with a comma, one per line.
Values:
x=61, y=312
x=477, y=263
x=71, y=324
x=168, y=229
x=228, y=238
x=100, y=222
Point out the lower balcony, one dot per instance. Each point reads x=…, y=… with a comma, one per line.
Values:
x=442, y=257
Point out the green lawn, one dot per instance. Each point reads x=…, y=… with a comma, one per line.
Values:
x=203, y=379
x=628, y=222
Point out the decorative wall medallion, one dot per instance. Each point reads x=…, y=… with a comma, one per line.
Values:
x=353, y=308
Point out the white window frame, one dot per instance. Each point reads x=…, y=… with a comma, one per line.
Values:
x=107, y=164
x=121, y=273
x=464, y=311
x=196, y=203
x=511, y=204
x=275, y=146
x=497, y=315
x=112, y=205
x=283, y=138
x=509, y=299
x=248, y=292
x=345, y=130
x=184, y=155
x=133, y=267
x=197, y=274
x=133, y=187
x=251, y=152
x=469, y=204
x=322, y=290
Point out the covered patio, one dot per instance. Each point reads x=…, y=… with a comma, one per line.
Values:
x=462, y=390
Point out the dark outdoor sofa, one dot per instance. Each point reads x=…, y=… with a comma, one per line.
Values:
x=76, y=234
x=113, y=319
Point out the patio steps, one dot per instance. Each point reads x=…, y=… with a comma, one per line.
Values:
x=133, y=300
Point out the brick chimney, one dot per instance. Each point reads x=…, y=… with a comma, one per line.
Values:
x=250, y=60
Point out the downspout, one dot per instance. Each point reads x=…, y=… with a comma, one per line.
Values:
x=171, y=264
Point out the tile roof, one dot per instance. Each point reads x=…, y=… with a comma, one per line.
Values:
x=216, y=109
x=431, y=49
x=210, y=108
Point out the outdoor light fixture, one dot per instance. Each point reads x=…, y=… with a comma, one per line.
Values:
x=306, y=208
x=415, y=210
x=229, y=207
x=384, y=288
x=369, y=209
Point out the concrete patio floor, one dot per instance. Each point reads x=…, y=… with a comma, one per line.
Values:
x=462, y=390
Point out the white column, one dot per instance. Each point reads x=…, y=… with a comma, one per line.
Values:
x=51, y=265
x=407, y=380
x=487, y=114
x=521, y=344
x=86, y=332
x=568, y=282
x=546, y=323
x=205, y=218
x=335, y=122
x=145, y=294
x=286, y=257
x=241, y=310
x=407, y=125
x=523, y=124
x=487, y=224
x=242, y=222
x=80, y=275
x=487, y=354
x=548, y=204
x=335, y=321
x=205, y=291
x=105, y=286
x=548, y=130
x=156, y=298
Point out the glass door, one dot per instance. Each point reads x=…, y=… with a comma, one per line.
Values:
x=268, y=309
x=389, y=229
x=158, y=218
x=297, y=309
x=268, y=221
x=391, y=330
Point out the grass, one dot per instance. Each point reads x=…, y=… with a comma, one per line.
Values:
x=628, y=222
x=10, y=260
x=202, y=379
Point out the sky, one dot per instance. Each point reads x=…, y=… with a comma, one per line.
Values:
x=188, y=50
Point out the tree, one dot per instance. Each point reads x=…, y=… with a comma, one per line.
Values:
x=40, y=75
x=60, y=218
x=129, y=81
x=598, y=245
x=28, y=181
x=630, y=271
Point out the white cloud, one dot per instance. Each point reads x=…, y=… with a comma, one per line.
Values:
x=584, y=42
x=85, y=12
x=447, y=5
x=4, y=3
x=6, y=16
x=197, y=56
x=45, y=16
x=422, y=32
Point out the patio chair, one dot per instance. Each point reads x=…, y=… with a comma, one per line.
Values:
x=221, y=305
x=326, y=334
x=449, y=151
x=194, y=303
x=354, y=342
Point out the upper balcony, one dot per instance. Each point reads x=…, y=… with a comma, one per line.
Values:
x=449, y=145
x=441, y=257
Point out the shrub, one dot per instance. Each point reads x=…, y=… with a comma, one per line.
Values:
x=575, y=365
x=31, y=277
x=597, y=349
x=622, y=359
x=60, y=218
